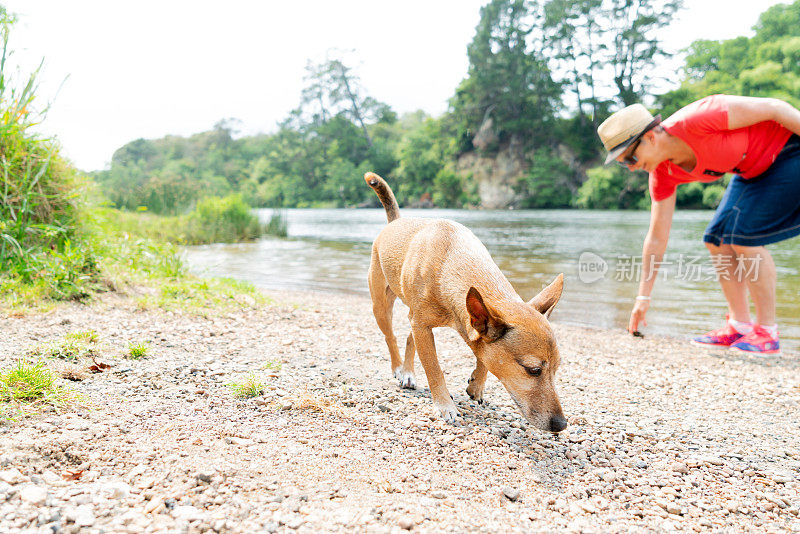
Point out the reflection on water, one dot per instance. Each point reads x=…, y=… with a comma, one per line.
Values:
x=329, y=250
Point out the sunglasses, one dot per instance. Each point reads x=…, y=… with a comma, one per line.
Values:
x=630, y=159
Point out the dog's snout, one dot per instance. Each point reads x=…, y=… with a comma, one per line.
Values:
x=557, y=423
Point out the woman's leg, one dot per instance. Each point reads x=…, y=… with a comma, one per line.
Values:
x=734, y=287
x=757, y=269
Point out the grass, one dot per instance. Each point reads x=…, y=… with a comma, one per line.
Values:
x=69, y=349
x=137, y=350
x=200, y=296
x=272, y=365
x=250, y=386
x=214, y=220
x=87, y=336
x=27, y=387
x=278, y=225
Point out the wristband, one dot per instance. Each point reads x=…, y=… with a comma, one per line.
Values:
x=642, y=297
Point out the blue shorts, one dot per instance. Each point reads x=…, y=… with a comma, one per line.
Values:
x=764, y=209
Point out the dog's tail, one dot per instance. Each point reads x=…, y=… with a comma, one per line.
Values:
x=385, y=195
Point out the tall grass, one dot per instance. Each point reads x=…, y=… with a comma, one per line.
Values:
x=278, y=225
x=222, y=220
x=39, y=193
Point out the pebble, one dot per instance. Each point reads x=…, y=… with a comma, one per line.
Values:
x=33, y=495
x=512, y=494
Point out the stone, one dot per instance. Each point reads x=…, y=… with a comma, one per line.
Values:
x=12, y=476
x=406, y=522
x=680, y=467
x=512, y=494
x=84, y=516
x=33, y=495
x=186, y=513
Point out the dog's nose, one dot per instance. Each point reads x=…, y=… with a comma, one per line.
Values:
x=557, y=423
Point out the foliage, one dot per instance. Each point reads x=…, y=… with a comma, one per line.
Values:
x=767, y=65
x=199, y=296
x=250, y=386
x=508, y=80
x=613, y=188
x=137, y=350
x=221, y=220
x=548, y=183
x=277, y=225
x=42, y=246
x=26, y=387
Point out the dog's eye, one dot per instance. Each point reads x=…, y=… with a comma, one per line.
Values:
x=534, y=371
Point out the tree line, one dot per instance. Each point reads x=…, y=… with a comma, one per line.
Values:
x=543, y=74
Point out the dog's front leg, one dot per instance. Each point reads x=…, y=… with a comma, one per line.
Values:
x=426, y=349
x=476, y=382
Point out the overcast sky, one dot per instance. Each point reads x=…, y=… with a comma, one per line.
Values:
x=147, y=68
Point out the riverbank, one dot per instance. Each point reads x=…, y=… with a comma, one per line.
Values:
x=662, y=435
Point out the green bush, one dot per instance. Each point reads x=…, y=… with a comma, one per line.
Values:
x=222, y=220
x=547, y=183
x=613, y=187
x=42, y=246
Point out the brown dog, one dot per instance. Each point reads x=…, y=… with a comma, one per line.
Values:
x=446, y=277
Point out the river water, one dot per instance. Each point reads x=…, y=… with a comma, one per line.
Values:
x=598, y=252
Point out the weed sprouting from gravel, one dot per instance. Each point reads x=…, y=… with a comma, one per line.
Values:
x=272, y=365
x=87, y=336
x=70, y=349
x=137, y=350
x=250, y=386
x=29, y=385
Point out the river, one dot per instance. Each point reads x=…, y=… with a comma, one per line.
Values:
x=598, y=252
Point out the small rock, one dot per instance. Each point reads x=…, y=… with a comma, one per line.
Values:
x=84, y=516
x=406, y=522
x=439, y=495
x=512, y=494
x=680, y=467
x=186, y=513
x=12, y=476
x=34, y=495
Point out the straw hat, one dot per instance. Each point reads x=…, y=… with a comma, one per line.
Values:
x=624, y=128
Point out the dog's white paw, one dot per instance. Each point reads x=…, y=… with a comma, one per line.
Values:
x=407, y=380
x=448, y=412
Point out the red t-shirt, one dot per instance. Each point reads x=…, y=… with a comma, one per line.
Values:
x=703, y=125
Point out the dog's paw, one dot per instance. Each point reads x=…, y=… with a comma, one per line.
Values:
x=475, y=393
x=448, y=412
x=406, y=379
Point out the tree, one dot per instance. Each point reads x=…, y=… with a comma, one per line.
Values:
x=508, y=78
x=636, y=49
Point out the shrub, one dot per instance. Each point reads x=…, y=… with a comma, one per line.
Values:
x=222, y=220
x=277, y=225
x=41, y=244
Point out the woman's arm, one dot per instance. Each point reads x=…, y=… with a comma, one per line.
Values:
x=655, y=244
x=748, y=110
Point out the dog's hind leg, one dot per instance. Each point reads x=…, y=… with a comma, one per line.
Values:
x=407, y=380
x=476, y=382
x=382, y=302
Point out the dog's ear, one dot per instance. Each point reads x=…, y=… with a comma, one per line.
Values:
x=483, y=319
x=547, y=299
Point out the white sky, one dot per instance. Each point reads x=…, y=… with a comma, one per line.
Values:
x=149, y=68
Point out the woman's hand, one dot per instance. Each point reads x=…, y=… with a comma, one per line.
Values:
x=637, y=315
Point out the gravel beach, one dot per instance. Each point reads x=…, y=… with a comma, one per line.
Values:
x=663, y=436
